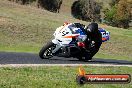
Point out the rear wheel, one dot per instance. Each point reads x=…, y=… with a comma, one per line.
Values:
x=46, y=51
x=88, y=58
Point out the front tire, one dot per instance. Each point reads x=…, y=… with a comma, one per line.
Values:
x=46, y=51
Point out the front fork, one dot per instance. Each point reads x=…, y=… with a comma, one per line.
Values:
x=58, y=46
x=56, y=49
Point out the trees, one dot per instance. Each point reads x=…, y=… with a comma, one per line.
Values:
x=110, y=15
x=50, y=5
x=119, y=15
x=87, y=10
x=76, y=10
x=122, y=15
x=23, y=2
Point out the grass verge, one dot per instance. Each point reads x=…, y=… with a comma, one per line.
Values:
x=56, y=77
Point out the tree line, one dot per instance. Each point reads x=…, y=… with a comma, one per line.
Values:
x=50, y=5
x=119, y=14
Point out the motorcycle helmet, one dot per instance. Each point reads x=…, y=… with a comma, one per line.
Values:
x=92, y=28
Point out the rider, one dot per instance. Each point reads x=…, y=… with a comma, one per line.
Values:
x=94, y=38
x=93, y=41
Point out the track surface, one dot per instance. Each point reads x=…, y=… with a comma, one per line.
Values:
x=28, y=58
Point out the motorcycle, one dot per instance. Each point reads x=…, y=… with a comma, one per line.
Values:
x=68, y=42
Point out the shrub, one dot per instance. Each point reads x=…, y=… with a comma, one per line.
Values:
x=50, y=5
x=87, y=10
x=109, y=16
x=23, y=2
x=123, y=13
x=119, y=15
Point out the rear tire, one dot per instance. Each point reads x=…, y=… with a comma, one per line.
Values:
x=88, y=58
x=46, y=51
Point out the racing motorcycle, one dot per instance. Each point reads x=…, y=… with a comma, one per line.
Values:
x=68, y=42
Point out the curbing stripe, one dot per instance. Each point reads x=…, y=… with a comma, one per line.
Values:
x=37, y=65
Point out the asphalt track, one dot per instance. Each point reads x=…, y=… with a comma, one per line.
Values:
x=7, y=58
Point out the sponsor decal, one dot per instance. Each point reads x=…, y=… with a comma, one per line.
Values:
x=83, y=78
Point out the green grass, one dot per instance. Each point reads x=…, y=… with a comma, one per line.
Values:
x=27, y=29
x=119, y=46
x=56, y=77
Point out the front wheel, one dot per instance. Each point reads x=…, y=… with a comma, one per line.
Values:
x=46, y=51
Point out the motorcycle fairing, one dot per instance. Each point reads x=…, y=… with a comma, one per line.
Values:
x=65, y=35
x=105, y=34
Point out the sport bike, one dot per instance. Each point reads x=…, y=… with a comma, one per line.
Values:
x=68, y=42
